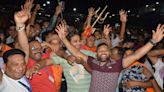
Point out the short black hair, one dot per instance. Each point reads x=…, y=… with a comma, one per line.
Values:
x=102, y=44
x=12, y=52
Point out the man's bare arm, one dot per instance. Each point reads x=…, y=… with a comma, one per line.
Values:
x=123, y=19
x=153, y=55
x=61, y=32
x=156, y=37
x=20, y=18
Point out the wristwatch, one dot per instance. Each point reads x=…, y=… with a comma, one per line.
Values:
x=153, y=43
x=20, y=28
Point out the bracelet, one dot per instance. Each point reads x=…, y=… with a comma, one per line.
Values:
x=19, y=29
x=153, y=42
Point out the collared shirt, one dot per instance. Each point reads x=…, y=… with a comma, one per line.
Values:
x=104, y=78
x=10, y=85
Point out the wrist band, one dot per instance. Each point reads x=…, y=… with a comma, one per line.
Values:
x=20, y=28
x=152, y=42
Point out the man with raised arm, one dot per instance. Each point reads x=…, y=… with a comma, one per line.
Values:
x=104, y=71
x=33, y=50
x=12, y=79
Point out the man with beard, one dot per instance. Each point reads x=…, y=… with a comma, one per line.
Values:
x=45, y=81
x=104, y=71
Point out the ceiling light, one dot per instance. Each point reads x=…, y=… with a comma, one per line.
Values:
x=153, y=9
x=157, y=3
x=44, y=4
x=147, y=5
x=48, y=2
x=40, y=13
x=74, y=9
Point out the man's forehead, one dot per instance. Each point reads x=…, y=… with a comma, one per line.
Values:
x=103, y=47
x=15, y=57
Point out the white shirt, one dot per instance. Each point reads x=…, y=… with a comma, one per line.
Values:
x=9, y=40
x=10, y=85
x=115, y=41
x=159, y=67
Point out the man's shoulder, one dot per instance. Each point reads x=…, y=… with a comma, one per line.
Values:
x=90, y=58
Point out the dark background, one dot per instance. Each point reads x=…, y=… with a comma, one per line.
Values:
x=139, y=15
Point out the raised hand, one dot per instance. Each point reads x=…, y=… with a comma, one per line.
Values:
x=158, y=35
x=123, y=15
x=28, y=5
x=107, y=30
x=61, y=30
x=21, y=17
x=91, y=11
x=58, y=10
x=37, y=7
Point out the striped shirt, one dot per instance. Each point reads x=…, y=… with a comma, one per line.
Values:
x=83, y=84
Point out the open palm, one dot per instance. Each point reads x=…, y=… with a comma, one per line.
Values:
x=21, y=17
x=60, y=29
x=107, y=30
x=123, y=15
x=158, y=34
